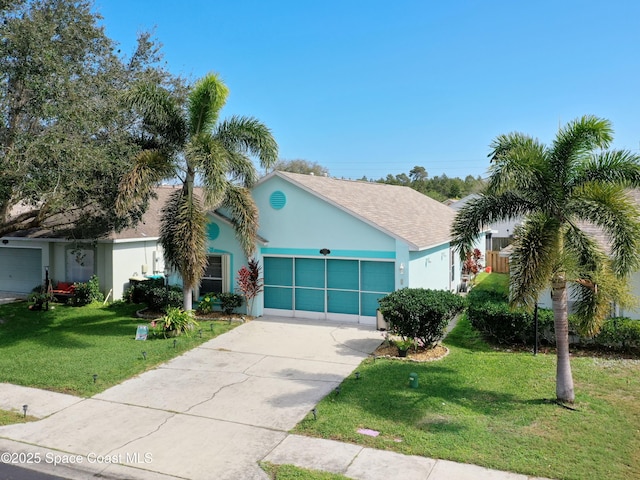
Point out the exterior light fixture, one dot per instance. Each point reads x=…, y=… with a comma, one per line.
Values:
x=325, y=252
x=24, y=410
x=95, y=377
x=401, y=269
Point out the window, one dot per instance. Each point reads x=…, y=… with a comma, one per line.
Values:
x=80, y=264
x=216, y=275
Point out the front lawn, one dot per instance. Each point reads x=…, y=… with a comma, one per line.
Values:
x=492, y=408
x=62, y=349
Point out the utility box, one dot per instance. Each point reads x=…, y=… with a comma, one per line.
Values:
x=381, y=323
x=413, y=380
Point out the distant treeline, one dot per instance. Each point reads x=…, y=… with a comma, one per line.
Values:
x=439, y=187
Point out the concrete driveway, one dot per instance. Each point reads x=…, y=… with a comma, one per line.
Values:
x=213, y=412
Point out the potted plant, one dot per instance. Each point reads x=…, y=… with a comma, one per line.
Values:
x=403, y=346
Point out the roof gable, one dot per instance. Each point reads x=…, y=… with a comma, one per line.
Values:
x=401, y=212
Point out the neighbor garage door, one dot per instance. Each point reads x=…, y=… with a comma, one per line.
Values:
x=20, y=269
x=341, y=289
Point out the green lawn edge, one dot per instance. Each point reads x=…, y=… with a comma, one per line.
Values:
x=62, y=349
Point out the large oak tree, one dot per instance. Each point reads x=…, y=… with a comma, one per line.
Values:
x=65, y=138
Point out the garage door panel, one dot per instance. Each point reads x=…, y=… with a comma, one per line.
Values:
x=377, y=276
x=310, y=272
x=278, y=271
x=343, y=274
x=21, y=269
x=309, y=300
x=340, y=301
x=278, y=297
x=369, y=303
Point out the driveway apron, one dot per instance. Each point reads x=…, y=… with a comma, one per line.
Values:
x=211, y=413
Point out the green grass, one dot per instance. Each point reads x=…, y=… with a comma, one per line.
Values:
x=495, y=282
x=291, y=472
x=61, y=349
x=492, y=408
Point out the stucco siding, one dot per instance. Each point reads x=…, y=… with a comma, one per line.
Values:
x=306, y=221
x=430, y=268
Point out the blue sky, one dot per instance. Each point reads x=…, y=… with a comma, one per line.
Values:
x=368, y=87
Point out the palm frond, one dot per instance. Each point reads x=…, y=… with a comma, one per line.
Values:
x=485, y=210
x=611, y=209
x=515, y=163
x=534, y=259
x=620, y=167
x=160, y=113
x=150, y=167
x=183, y=236
x=241, y=169
x=593, y=301
x=206, y=99
x=577, y=139
x=249, y=135
x=244, y=216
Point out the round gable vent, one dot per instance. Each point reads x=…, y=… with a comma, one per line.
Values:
x=278, y=200
x=213, y=231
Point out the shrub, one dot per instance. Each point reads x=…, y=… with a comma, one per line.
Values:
x=176, y=321
x=419, y=313
x=87, y=292
x=621, y=333
x=502, y=324
x=229, y=302
x=207, y=303
x=155, y=295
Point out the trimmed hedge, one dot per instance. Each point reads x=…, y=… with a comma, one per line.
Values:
x=619, y=333
x=155, y=295
x=419, y=313
x=489, y=312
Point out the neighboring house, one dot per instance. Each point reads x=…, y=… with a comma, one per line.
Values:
x=135, y=252
x=329, y=249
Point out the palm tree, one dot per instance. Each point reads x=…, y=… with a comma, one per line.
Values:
x=562, y=191
x=187, y=140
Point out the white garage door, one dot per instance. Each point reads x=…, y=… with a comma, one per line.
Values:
x=20, y=269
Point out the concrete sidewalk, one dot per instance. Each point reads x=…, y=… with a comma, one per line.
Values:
x=215, y=412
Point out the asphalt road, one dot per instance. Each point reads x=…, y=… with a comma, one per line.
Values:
x=11, y=472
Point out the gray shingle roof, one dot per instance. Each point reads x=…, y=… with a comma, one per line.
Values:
x=401, y=212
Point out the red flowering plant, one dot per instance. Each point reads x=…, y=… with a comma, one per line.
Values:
x=250, y=283
x=471, y=264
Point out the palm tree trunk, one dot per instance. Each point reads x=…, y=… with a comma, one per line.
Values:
x=187, y=300
x=564, y=378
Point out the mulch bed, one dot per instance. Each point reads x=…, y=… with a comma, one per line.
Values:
x=420, y=355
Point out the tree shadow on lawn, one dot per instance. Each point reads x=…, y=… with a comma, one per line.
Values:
x=62, y=325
